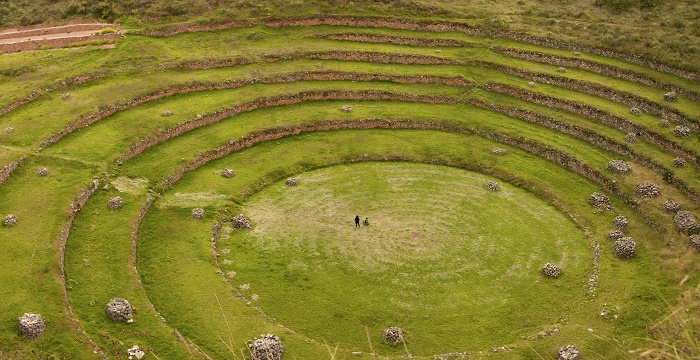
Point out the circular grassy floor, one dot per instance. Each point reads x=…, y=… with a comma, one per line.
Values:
x=453, y=264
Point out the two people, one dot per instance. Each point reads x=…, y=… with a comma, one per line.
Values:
x=357, y=221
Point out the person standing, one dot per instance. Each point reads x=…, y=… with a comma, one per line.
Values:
x=357, y=220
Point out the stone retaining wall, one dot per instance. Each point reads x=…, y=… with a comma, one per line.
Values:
x=7, y=170
x=53, y=43
x=53, y=30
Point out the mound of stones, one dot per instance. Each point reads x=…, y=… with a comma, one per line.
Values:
x=619, y=167
x=10, y=220
x=135, y=352
x=498, y=151
x=670, y=96
x=694, y=242
x=625, y=248
x=664, y=123
x=686, y=222
x=346, y=108
x=671, y=206
x=616, y=235
x=620, y=223
x=393, y=335
x=227, y=173
x=635, y=111
x=681, y=131
x=31, y=325
x=166, y=113
x=267, y=347
x=197, y=213
x=291, y=182
x=531, y=84
x=678, y=162
x=241, y=222
x=119, y=309
x=568, y=352
x=550, y=270
x=561, y=70
x=42, y=171
x=115, y=203
x=599, y=201
x=492, y=186
x=631, y=137
x=647, y=189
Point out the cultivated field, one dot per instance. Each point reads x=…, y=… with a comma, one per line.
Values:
x=474, y=157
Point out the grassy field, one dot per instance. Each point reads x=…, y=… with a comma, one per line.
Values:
x=456, y=266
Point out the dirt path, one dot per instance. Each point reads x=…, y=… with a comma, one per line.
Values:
x=12, y=40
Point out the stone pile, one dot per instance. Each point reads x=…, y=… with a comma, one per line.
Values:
x=647, y=189
x=679, y=162
x=671, y=206
x=393, y=335
x=119, y=309
x=135, y=353
x=670, y=96
x=8, y=130
x=66, y=96
x=599, y=201
x=531, y=84
x=267, y=347
x=227, y=173
x=619, y=167
x=568, y=352
x=615, y=235
x=166, y=113
x=664, y=123
x=493, y=186
x=498, y=151
x=681, y=131
x=115, y=203
x=241, y=222
x=291, y=182
x=550, y=270
x=561, y=70
x=42, y=171
x=31, y=325
x=197, y=213
x=10, y=220
x=631, y=137
x=694, y=242
x=635, y=111
x=625, y=248
x=620, y=222
x=346, y=108
x=686, y=222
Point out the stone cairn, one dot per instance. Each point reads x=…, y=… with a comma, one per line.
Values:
x=615, y=235
x=670, y=96
x=10, y=220
x=671, y=206
x=393, y=335
x=620, y=223
x=135, y=352
x=498, y=151
x=114, y=203
x=493, y=186
x=119, y=309
x=568, y=352
x=346, y=108
x=550, y=270
x=241, y=222
x=42, y=171
x=291, y=182
x=681, y=131
x=686, y=222
x=619, y=167
x=679, y=162
x=599, y=201
x=631, y=137
x=166, y=113
x=635, y=111
x=647, y=189
x=694, y=242
x=227, y=173
x=197, y=213
x=664, y=123
x=625, y=248
x=267, y=347
x=31, y=325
